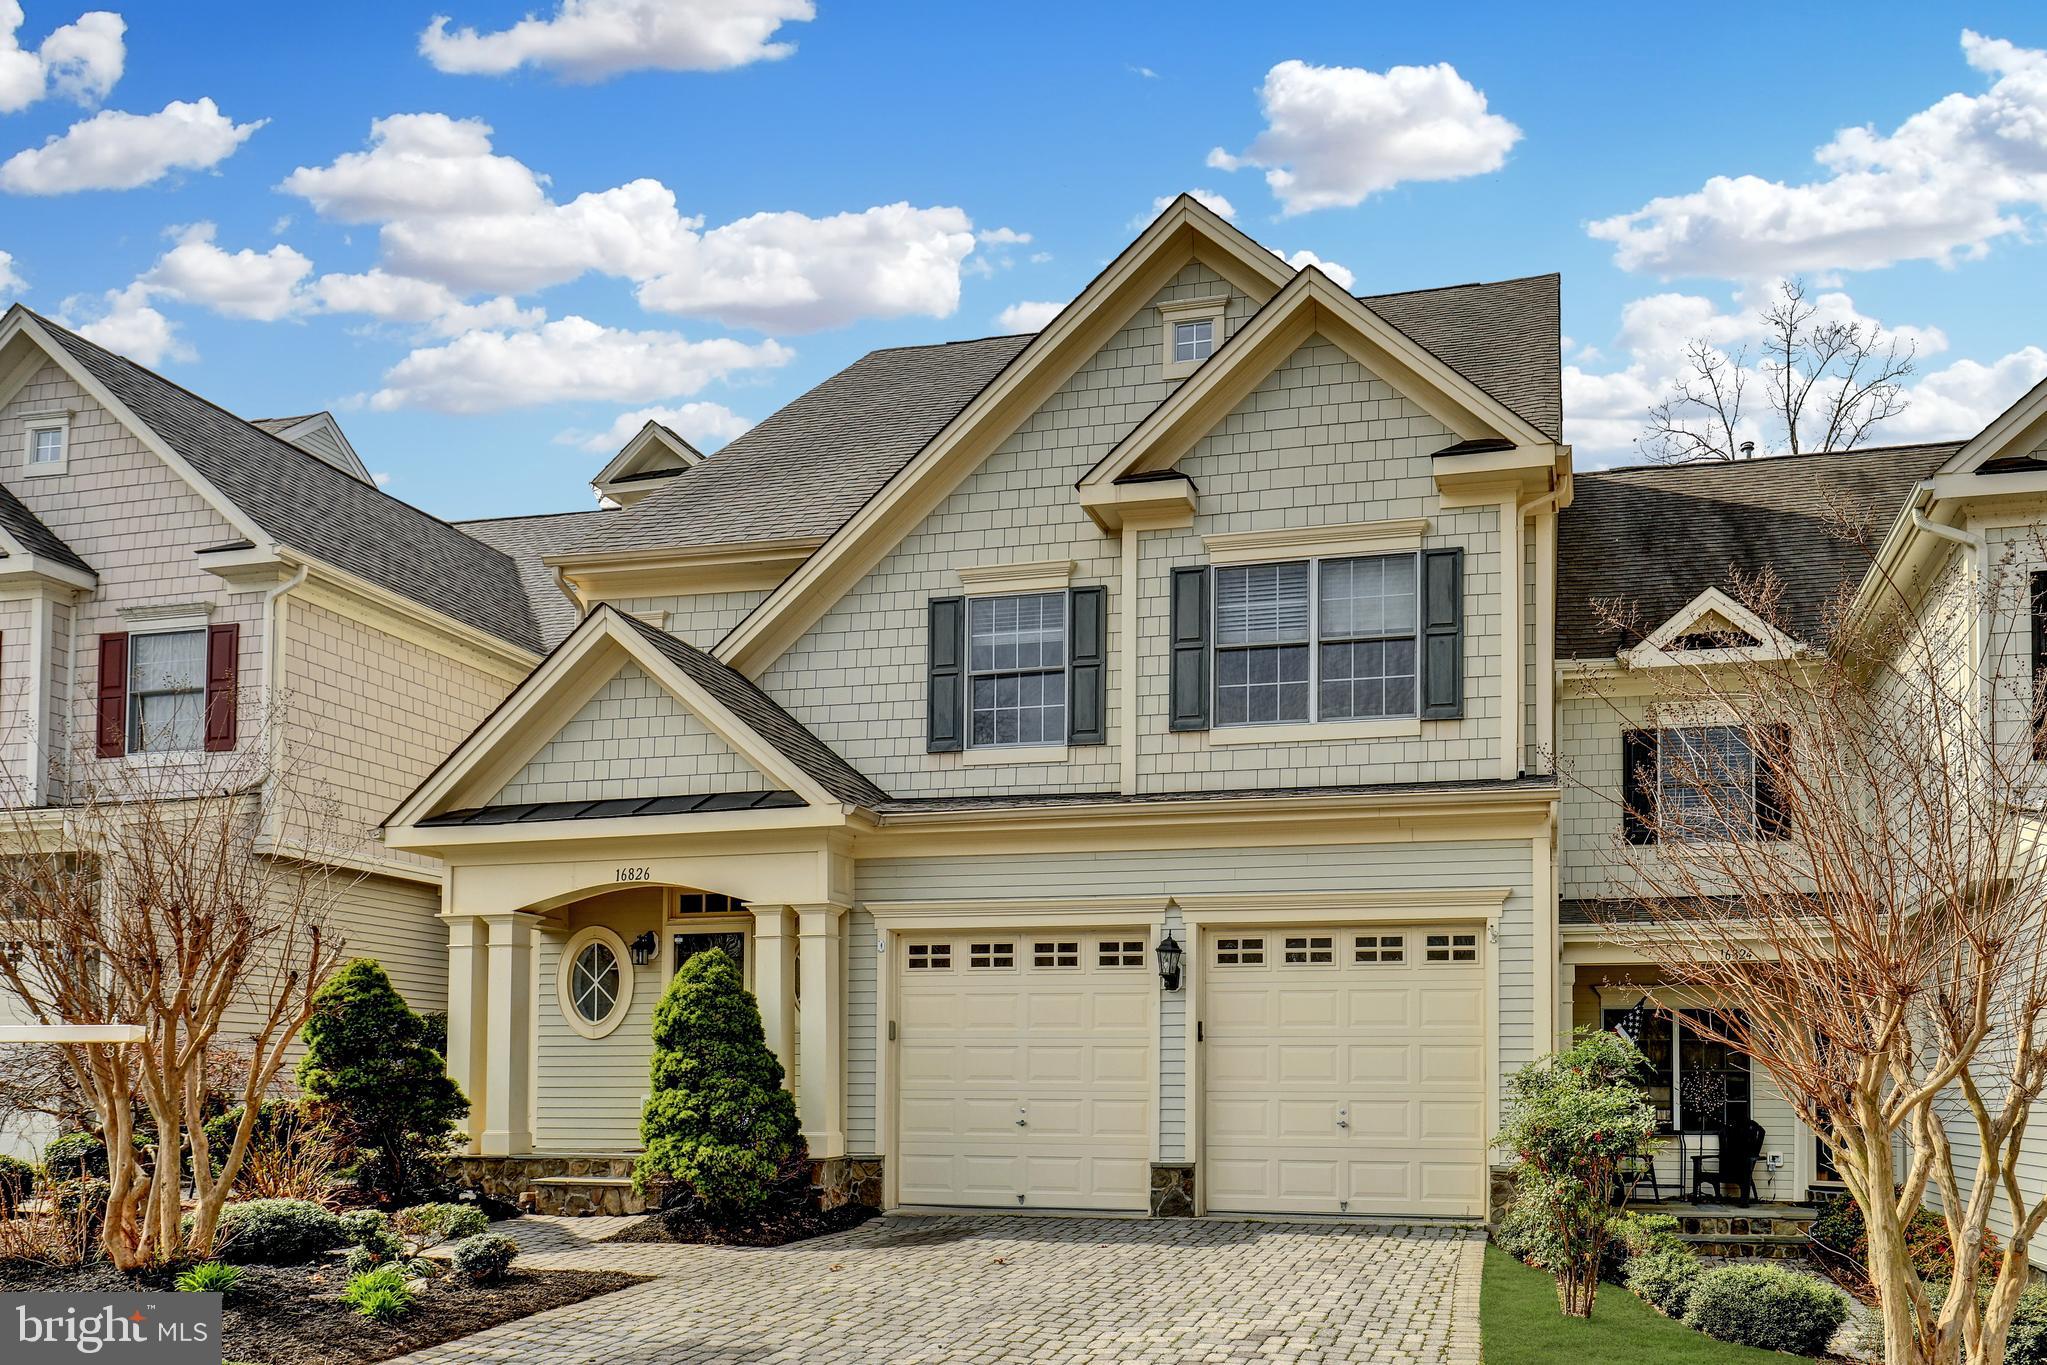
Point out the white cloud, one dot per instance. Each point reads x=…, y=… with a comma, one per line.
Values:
x=117, y=151
x=588, y=40
x=1301, y=260
x=10, y=279
x=1031, y=315
x=1951, y=180
x=381, y=479
x=704, y=425
x=569, y=359
x=129, y=325
x=80, y=60
x=1002, y=236
x=453, y=212
x=419, y=165
x=394, y=298
x=1143, y=71
x=795, y=273
x=1606, y=410
x=262, y=286
x=1335, y=134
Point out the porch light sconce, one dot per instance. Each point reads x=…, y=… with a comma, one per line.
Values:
x=1170, y=954
x=641, y=949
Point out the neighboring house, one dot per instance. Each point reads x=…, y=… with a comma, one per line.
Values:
x=168, y=570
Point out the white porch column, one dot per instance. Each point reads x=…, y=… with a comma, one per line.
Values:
x=774, y=982
x=1567, y=996
x=468, y=1007
x=821, y=1041
x=507, y=1090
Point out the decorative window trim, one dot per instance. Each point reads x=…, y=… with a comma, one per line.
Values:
x=1346, y=541
x=581, y=939
x=1315, y=732
x=992, y=580
x=991, y=755
x=1211, y=307
x=45, y=421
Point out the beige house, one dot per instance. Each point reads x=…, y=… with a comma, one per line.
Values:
x=167, y=569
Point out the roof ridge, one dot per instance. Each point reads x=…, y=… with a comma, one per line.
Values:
x=270, y=436
x=529, y=516
x=1556, y=275
x=940, y=345
x=1755, y=460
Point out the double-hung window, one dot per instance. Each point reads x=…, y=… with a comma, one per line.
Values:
x=1016, y=667
x=1316, y=640
x=1706, y=782
x=166, y=691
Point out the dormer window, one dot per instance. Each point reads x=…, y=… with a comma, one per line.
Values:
x=48, y=444
x=1192, y=328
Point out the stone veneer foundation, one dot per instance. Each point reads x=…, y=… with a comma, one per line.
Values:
x=573, y=1186
x=1172, y=1190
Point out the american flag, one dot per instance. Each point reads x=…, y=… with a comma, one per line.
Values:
x=1634, y=1025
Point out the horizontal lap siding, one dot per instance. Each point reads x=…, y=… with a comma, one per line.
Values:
x=862, y=975
x=398, y=923
x=1505, y=863
x=587, y=1092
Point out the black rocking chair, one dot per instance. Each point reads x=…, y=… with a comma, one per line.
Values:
x=1733, y=1166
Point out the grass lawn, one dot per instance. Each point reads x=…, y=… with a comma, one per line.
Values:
x=1520, y=1325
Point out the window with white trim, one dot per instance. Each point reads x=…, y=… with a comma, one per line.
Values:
x=1056, y=953
x=1379, y=948
x=1016, y=669
x=1450, y=948
x=594, y=978
x=1240, y=952
x=46, y=444
x=1120, y=952
x=166, y=691
x=1705, y=783
x=1193, y=340
x=1316, y=640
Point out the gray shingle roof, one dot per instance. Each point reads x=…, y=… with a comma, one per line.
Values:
x=764, y=715
x=33, y=536
x=1658, y=536
x=1504, y=336
x=307, y=503
x=813, y=463
x=526, y=539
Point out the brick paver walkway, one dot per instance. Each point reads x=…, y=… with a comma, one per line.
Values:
x=1003, y=1290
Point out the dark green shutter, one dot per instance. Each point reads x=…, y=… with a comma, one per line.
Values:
x=1638, y=785
x=1442, y=634
x=945, y=709
x=1772, y=820
x=1190, y=649
x=1087, y=677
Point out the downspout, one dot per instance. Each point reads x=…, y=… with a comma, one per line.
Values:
x=273, y=669
x=561, y=581
x=1974, y=551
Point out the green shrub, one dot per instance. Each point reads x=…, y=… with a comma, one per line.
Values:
x=1766, y=1307
x=70, y=1153
x=370, y=1078
x=276, y=1231
x=1839, y=1228
x=2027, y=1343
x=276, y=1121
x=717, y=1123
x=1573, y=1119
x=1663, y=1277
x=485, y=1257
x=211, y=1277
x=82, y=1200
x=382, y=1295
x=429, y=1225
x=17, y=1182
x=372, y=1230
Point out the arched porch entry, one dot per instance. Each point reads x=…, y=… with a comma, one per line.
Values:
x=551, y=1003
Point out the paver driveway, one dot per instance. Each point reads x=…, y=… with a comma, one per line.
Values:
x=995, y=1290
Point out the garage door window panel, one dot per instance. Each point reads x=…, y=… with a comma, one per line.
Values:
x=1386, y=948
x=929, y=957
x=1450, y=948
x=1240, y=952
x=1309, y=950
x=1056, y=954
x=1116, y=954
x=992, y=956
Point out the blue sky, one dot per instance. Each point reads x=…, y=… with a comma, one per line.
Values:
x=485, y=245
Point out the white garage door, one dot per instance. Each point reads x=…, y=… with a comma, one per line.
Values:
x=1024, y=1070
x=1345, y=1070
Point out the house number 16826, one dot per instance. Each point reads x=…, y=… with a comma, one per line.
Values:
x=635, y=874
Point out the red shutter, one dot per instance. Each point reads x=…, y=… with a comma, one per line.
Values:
x=112, y=733
x=223, y=661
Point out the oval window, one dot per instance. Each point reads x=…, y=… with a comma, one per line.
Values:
x=595, y=985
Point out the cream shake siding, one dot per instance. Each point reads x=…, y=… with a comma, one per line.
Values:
x=857, y=677
x=1588, y=808
x=1253, y=871
x=631, y=739
x=587, y=1092
x=703, y=619
x=377, y=710
x=1322, y=442
x=135, y=521
x=19, y=747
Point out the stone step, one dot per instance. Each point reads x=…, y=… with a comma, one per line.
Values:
x=1749, y=1246
x=624, y=1182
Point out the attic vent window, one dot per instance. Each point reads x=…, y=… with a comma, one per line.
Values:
x=1193, y=341
x=1715, y=639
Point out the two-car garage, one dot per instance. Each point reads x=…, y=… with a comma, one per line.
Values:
x=1342, y=1069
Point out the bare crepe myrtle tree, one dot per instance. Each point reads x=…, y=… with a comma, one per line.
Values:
x=158, y=894
x=1827, y=384
x=1849, y=862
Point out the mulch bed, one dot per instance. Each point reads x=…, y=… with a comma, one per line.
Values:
x=293, y=1315
x=777, y=1229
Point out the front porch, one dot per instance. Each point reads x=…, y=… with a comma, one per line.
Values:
x=1767, y=1230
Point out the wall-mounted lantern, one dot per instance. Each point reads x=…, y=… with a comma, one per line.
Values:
x=642, y=949
x=1170, y=954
